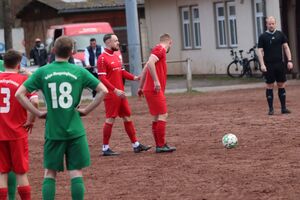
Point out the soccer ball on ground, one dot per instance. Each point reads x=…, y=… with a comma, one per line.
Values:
x=229, y=140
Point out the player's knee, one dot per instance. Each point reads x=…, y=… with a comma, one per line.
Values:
x=126, y=119
x=270, y=85
x=163, y=117
x=280, y=85
x=110, y=120
x=75, y=173
x=22, y=179
x=50, y=173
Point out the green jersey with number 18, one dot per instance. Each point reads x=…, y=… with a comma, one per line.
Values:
x=62, y=84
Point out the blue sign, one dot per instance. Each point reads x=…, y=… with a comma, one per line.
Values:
x=2, y=47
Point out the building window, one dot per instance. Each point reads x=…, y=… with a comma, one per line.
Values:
x=232, y=23
x=259, y=14
x=190, y=18
x=196, y=27
x=220, y=12
x=226, y=24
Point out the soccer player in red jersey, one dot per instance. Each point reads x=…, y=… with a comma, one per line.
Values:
x=111, y=74
x=14, y=127
x=152, y=86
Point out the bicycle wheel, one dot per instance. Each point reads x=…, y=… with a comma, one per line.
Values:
x=235, y=69
x=255, y=68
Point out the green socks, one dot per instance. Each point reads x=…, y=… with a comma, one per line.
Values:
x=77, y=188
x=48, y=189
x=12, y=186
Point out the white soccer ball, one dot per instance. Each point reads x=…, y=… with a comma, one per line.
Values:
x=229, y=140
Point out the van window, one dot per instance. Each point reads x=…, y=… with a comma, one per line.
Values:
x=83, y=41
x=57, y=33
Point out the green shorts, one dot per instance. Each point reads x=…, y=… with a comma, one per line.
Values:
x=76, y=152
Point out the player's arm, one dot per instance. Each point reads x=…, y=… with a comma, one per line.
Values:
x=142, y=80
x=129, y=76
x=31, y=117
x=25, y=102
x=260, y=53
x=288, y=54
x=25, y=71
x=101, y=92
x=87, y=58
x=151, y=65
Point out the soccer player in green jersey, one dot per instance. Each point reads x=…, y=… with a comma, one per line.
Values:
x=62, y=84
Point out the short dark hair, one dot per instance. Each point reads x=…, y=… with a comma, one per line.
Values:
x=107, y=37
x=63, y=46
x=12, y=58
x=93, y=40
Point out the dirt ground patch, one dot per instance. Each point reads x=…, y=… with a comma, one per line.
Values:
x=264, y=166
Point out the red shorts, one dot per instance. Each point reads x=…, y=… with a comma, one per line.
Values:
x=156, y=102
x=115, y=106
x=14, y=156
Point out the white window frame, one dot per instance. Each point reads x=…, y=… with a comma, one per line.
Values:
x=259, y=17
x=187, y=44
x=195, y=22
x=232, y=18
x=223, y=20
x=189, y=40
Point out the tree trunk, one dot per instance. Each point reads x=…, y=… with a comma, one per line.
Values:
x=8, y=24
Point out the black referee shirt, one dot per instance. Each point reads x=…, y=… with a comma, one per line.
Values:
x=272, y=46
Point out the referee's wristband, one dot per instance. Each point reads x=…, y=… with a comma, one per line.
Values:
x=290, y=61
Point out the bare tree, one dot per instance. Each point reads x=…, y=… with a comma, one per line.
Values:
x=8, y=23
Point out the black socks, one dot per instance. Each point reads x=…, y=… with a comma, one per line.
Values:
x=269, y=95
x=281, y=95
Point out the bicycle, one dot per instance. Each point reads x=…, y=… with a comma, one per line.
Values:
x=254, y=64
x=241, y=66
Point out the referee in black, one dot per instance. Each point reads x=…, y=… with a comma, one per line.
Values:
x=271, y=45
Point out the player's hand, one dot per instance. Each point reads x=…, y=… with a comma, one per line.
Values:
x=81, y=111
x=42, y=115
x=137, y=78
x=22, y=70
x=290, y=65
x=28, y=126
x=263, y=68
x=120, y=93
x=140, y=92
x=88, y=66
x=157, y=86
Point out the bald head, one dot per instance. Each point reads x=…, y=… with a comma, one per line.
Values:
x=271, y=23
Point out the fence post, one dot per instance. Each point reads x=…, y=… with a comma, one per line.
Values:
x=189, y=75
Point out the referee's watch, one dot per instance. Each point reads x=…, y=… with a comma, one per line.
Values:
x=290, y=61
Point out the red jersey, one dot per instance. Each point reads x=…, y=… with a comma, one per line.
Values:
x=111, y=72
x=12, y=114
x=161, y=69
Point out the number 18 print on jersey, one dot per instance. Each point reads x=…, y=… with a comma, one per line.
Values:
x=62, y=84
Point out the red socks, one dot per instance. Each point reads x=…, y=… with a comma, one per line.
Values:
x=107, y=129
x=24, y=192
x=3, y=193
x=129, y=128
x=160, y=133
x=154, y=125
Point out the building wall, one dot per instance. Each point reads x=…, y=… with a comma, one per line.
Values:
x=164, y=16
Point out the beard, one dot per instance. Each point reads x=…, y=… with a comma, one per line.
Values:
x=168, y=50
x=115, y=48
x=271, y=29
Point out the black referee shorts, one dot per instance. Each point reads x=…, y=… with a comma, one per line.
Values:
x=275, y=72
